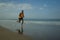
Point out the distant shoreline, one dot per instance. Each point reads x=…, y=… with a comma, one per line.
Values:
x=35, y=19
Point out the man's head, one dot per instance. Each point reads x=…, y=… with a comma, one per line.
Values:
x=22, y=11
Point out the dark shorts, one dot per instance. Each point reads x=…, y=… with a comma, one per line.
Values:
x=21, y=19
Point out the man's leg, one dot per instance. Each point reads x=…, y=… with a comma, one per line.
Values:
x=22, y=21
x=19, y=20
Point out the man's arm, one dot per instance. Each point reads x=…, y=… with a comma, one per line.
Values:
x=23, y=14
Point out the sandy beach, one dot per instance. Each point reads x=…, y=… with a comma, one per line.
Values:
x=5, y=34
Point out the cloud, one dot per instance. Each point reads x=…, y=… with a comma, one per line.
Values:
x=10, y=10
x=44, y=5
x=25, y=6
x=11, y=5
x=41, y=8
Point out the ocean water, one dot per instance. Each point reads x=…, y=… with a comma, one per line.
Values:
x=38, y=30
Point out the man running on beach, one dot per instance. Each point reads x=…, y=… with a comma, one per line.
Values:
x=21, y=16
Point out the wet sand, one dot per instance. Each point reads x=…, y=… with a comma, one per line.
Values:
x=6, y=34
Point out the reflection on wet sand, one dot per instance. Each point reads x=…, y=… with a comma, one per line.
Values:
x=21, y=31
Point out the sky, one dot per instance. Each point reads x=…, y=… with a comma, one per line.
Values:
x=33, y=9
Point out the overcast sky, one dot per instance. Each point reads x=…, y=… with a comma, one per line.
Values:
x=39, y=9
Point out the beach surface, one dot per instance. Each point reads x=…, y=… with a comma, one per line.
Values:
x=6, y=34
x=36, y=30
